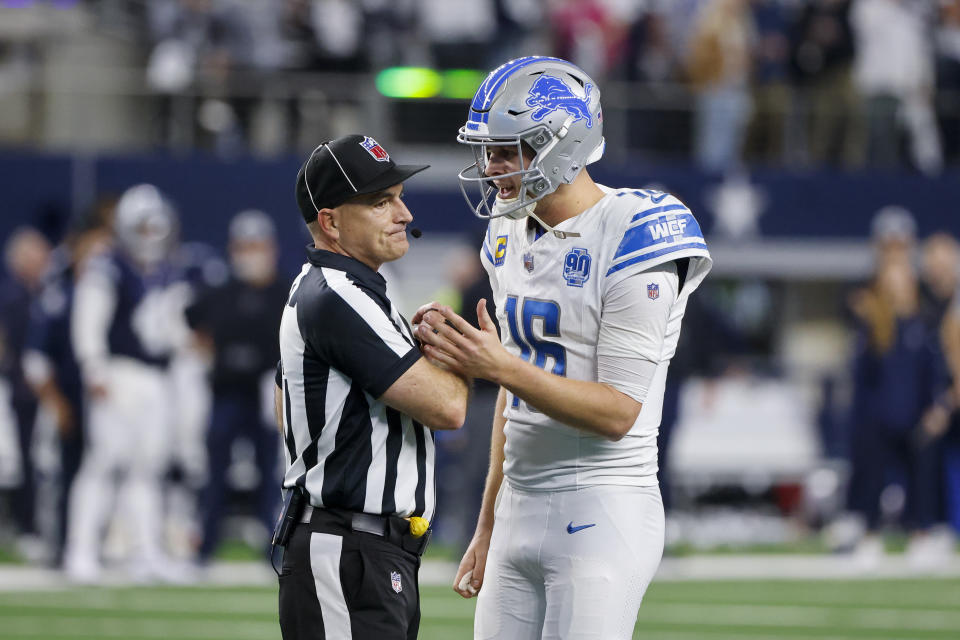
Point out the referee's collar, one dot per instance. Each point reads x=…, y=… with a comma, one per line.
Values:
x=360, y=271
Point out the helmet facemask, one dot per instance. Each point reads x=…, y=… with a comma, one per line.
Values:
x=534, y=185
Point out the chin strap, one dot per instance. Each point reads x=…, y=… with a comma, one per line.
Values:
x=529, y=211
x=563, y=235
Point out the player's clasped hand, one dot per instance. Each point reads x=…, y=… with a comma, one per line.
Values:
x=469, y=578
x=451, y=342
x=418, y=316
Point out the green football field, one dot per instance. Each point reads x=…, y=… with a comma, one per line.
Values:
x=714, y=610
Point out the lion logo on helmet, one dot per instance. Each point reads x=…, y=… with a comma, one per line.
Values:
x=550, y=93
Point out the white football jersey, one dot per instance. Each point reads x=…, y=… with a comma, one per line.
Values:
x=550, y=295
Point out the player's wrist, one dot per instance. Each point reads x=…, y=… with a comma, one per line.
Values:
x=511, y=371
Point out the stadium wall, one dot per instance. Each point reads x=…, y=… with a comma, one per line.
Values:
x=46, y=190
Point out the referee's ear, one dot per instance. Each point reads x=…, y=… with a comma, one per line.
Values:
x=327, y=223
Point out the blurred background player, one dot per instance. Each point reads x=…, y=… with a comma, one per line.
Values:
x=237, y=322
x=896, y=378
x=194, y=268
x=26, y=257
x=11, y=475
x=50, y=365
x=120, y=331
x=898, y=372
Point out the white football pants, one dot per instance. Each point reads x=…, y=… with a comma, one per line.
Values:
x=128, y=439
x=569, y=564
x=190, y=385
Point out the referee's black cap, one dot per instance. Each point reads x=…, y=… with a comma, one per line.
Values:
x=349, y=166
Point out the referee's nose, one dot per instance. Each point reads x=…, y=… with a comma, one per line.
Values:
x=403, y=214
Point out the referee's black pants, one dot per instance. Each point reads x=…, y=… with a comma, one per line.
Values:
x=341, y=584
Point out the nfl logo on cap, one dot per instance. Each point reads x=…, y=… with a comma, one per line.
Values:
x=395, y=581
x=653, y=291
x=374, y=149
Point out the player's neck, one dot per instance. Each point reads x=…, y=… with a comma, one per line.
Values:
x=569, y=200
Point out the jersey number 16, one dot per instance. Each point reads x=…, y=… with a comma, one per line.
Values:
x=549, y=312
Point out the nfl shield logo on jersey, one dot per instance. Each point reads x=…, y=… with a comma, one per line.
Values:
x=528, y=261
x=653, y=291
x=373, y=148
x=576, y=267
x=395, y=581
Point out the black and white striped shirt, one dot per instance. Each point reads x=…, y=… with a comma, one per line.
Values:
x=342, y=345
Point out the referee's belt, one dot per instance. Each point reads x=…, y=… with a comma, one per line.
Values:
x=393, y=529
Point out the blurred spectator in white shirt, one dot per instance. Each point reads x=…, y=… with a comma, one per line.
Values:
x=893, y=70
x=198, y=46
x=459, y=32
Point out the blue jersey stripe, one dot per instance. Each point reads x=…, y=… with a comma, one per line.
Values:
x=658, y=231
x=656, y=254
x=663, y=209
x=487, y=254
x=486, y=246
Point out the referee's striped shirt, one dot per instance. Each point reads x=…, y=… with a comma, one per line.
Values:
x=342, y=344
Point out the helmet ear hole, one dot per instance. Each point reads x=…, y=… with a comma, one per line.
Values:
x=529, y=153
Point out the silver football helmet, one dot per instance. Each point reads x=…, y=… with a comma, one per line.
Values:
x=146, y=224
x=547, y=103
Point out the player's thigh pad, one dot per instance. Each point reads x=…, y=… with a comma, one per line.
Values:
x=600, y=551
x=512, y=601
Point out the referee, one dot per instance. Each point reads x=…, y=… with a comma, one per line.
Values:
x=356, y=403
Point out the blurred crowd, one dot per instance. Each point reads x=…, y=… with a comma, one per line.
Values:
x=816, y=82
x=847, y=83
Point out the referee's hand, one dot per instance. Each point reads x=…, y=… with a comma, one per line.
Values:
x=452, y=342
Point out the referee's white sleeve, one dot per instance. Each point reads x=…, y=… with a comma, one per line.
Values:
x=633, y=323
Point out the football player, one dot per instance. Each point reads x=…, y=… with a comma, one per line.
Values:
x=590, y=285
x=120, y=329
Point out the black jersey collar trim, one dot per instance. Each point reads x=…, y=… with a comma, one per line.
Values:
x=352, y=266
